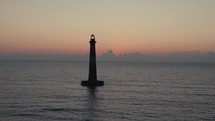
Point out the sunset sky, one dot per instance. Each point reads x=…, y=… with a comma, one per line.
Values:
x=153, y=27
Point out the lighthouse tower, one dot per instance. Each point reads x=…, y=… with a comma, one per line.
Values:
x=92, y=63
x=92, y=78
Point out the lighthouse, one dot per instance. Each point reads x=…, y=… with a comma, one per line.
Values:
x=92, y=77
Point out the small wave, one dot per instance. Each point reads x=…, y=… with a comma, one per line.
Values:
x=26, y=115
x=55, y=109
x=60, y=110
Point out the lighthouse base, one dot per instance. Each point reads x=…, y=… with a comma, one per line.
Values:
x=92, y=83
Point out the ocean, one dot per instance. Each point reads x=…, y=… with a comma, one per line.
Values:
x=133, y=91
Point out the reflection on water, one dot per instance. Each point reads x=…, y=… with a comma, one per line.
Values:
x=91, y=104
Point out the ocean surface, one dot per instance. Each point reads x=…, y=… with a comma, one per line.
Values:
x=133, y=91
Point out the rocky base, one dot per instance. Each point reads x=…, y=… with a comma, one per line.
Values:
x=92, y=83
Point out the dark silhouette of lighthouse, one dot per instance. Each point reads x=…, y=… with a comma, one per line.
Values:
x=92, y=78
x=92, y=63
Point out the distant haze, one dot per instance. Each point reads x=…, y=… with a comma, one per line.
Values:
x=149, y=27
x=110, y=56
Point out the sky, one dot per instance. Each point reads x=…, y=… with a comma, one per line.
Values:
x=153, y=27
